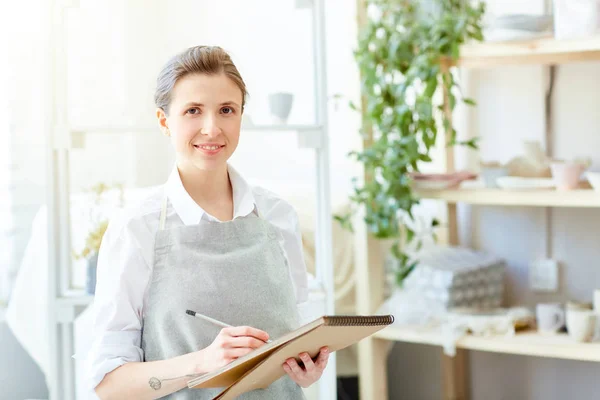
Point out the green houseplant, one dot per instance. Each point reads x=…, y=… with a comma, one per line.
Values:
x=403, y=54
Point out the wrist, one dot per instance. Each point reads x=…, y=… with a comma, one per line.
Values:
x=197, y=364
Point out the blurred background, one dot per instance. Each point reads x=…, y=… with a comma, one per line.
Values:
x=79, y=140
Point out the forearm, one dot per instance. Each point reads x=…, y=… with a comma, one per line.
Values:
x=149, y=380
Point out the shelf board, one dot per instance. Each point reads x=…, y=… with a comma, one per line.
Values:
x=114, y=129
x=119, y=129
x=534, y=198
x=545, y=50
x=75, y=298
x=529, y=343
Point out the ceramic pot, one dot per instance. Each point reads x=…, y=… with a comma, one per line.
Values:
x=280, y=105
x=566, y=174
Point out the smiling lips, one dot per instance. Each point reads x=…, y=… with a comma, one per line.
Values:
x=209, y=148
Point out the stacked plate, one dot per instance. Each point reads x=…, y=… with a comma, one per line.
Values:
x=459, y=277
x=519, y=27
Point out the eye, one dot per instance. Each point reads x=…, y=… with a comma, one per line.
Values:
x=227, y=110
x=193, y=111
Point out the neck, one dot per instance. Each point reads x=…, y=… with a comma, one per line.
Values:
x=206, y=186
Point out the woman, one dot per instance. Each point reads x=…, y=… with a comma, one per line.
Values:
x=205, y=241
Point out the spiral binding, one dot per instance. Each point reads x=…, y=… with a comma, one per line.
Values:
x=358, y=320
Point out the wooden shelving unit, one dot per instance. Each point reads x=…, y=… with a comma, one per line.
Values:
x=369, y=261
x=539, y=51
x=529, y=343
x=531, y=198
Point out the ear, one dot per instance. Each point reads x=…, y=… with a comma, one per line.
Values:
x=162, y=121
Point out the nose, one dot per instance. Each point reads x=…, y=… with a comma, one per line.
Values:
x=210, y=127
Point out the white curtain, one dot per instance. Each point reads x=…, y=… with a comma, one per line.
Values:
x=6, y=217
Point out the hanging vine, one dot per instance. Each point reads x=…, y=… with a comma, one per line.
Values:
x=401, y=54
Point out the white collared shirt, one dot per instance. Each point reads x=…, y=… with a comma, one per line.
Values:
x=126, y=260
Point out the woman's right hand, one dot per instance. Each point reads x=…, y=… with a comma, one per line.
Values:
x=230, y=344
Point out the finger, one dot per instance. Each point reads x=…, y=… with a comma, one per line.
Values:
x=321, y=362
x=247, y=331
x=296, y=370
x=287, y=369
x=309, y=364
x=244, y=341
x=236, y=352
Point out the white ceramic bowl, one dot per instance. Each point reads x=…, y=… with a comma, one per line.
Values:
x=594, y=179
x=490, y=174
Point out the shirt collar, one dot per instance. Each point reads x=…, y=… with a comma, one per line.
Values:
x=191, y=213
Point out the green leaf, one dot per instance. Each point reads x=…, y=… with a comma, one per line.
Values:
x=410, y=234
x=425, y=157
x=431, y=86
x=470, y=102
x=472, y=143
x=455, y=51
x=344, y=221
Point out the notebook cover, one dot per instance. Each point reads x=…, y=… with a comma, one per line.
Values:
x=269, y=370
x=336, y=332
x=230, y=373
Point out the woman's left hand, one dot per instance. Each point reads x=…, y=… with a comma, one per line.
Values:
x=312, y=370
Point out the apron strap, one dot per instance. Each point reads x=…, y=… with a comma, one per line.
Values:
x=163, y=213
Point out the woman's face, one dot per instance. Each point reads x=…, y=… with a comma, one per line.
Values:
x=204, y=120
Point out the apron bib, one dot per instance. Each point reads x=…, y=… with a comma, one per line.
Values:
x=232, y=271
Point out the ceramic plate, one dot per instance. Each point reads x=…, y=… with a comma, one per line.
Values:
x=515, y=182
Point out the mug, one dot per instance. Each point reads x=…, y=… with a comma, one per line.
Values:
x=566, y=174
x=550, y=317
x=581, y=324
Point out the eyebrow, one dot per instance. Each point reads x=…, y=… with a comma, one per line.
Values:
x=195, y=104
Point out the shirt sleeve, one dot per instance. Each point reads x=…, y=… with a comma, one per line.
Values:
x=123, y=273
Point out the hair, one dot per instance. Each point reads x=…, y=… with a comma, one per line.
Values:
x=209, y=60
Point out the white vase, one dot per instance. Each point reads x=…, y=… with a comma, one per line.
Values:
x=280, y=105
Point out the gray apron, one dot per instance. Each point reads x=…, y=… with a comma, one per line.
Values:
x=232, y=271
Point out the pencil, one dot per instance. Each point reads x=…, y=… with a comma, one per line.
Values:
x=212, y=320
x=209, y=319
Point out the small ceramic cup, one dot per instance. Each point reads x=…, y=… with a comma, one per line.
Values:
x=280, y=105
x=490, y=174
x=550, y=317
x=581, y=324
x=566, y=174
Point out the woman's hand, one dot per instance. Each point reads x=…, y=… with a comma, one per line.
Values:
x=312, y=370
x=230, y=344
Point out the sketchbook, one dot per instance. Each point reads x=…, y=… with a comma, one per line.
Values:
x=263, y=366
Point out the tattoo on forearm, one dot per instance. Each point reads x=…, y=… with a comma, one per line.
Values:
x=156, y=383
